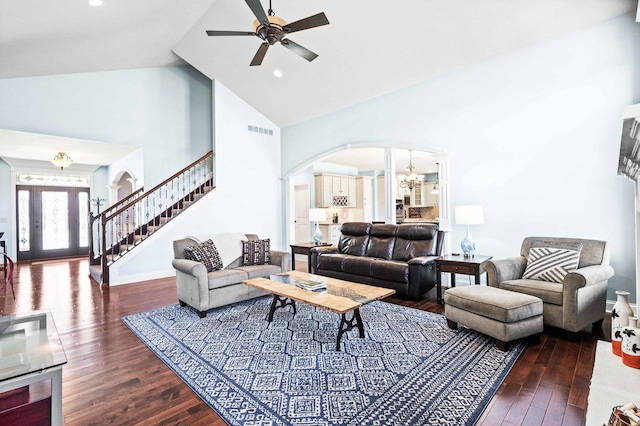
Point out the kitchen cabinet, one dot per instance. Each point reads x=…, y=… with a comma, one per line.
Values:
x=416, y=195
x=330, y=233
x=335, y=190
x=420, y=195
x=428, y=198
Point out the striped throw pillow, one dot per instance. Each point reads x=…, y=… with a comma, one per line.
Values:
x=550, y=264
x=256, y=252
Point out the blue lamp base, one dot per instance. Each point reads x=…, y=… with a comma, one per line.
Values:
x=317, y=235
x=468, y=245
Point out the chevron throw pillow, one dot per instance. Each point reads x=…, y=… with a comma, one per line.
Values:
x=205, y=253
x=550, y=264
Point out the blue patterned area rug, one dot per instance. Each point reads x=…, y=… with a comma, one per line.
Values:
x=410, y=369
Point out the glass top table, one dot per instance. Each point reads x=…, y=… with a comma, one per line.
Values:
x=31, y=351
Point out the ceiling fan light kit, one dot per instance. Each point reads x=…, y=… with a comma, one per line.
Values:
x=272, y=29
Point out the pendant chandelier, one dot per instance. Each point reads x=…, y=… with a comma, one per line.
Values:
x=411, y=180
x=62, y=160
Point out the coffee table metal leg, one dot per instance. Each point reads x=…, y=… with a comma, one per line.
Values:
x=281, y=302
x=348, y=324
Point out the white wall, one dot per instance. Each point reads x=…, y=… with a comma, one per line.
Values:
x=166, y=111
x=534, y=134
x=247, y=197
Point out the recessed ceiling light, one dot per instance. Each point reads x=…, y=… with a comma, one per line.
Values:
x=277, y=73
x=95, y=2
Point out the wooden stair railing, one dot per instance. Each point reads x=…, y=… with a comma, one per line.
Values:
x=95, y=223
x=121, y=227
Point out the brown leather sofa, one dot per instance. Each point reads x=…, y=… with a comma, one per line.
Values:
x=400, y=257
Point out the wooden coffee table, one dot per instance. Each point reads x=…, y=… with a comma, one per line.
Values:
x=340, y=296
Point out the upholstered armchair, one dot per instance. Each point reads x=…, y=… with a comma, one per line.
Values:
x=576, y=300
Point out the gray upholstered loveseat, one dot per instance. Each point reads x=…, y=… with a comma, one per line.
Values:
x=400, y=257
x=204, y=290
x=576, y=302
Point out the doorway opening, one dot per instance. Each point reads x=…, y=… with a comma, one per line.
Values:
x=52, y=221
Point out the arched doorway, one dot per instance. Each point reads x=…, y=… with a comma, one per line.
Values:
x=381, y=165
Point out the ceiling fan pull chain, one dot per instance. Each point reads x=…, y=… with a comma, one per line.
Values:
x=270, y=12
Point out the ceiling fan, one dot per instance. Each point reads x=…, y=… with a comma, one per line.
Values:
x=272, y=29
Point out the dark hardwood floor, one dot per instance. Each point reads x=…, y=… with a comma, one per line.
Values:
x=112, y=378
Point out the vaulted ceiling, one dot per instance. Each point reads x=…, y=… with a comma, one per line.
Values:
x=370, y=47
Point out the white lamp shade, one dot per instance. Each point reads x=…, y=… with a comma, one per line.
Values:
x=469, y=215
x=317, y=215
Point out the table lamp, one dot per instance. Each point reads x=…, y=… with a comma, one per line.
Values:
x=469, y=215
x=317, y=215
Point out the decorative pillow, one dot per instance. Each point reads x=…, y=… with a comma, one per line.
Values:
x=256, y=252
x=550, y=263
x=205, y=253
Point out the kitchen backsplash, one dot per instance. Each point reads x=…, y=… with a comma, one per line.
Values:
x=356, y=214
x=425, y=213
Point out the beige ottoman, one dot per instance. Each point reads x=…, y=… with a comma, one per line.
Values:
x=502, y=314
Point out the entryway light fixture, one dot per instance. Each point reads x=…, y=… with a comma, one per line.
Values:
x=62, y=160
x=411, y=180
x=95, y=2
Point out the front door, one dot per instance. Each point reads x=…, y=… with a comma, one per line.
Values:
x=52, y=221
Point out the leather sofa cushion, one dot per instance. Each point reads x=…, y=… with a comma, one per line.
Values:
x=354, y=238
x=389, y=270
x=415, y=241
x=381, y=247
x=381, y=241
x=331, y=262
x=405, y=250
x=548, y=292
x=358, y=265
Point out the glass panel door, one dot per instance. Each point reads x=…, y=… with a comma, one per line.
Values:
x=52, y=222
x=54, y=219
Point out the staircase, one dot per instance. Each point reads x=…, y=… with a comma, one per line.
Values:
x=127, y=224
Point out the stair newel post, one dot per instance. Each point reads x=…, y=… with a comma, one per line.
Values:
x=103, y=248
x=91, y=242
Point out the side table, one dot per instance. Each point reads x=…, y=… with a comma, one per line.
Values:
x=458, y=264
x=304, y=248
x=31, y=353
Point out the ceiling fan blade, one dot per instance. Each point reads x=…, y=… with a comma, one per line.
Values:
x=230, y=33
x=258, y=11
x=306, y=23
x=259, y=56
x=299, y=50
